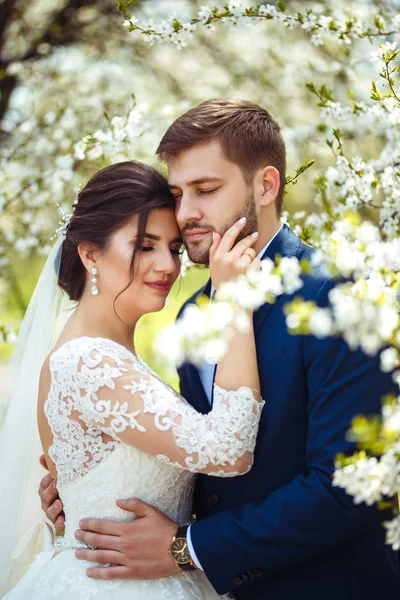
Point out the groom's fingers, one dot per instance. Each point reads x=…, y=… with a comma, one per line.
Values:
x=119, y=572
x=104, y=557
x=107, y=542
x=103, y=526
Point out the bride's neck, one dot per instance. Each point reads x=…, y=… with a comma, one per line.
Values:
x=91, y=318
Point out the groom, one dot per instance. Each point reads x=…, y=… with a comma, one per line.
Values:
x=281, y=531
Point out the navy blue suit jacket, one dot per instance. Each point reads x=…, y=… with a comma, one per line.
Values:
x=282, y=531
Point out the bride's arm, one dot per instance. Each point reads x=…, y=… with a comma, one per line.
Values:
x=239, y=366
x=126, y=402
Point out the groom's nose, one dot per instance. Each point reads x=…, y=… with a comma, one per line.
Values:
x=187, y=210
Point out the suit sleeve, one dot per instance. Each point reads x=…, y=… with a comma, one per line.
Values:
x=308, y=516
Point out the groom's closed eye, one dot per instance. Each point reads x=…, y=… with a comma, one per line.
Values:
x=207, y=192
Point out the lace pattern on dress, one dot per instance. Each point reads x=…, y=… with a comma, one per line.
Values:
x=100, y=388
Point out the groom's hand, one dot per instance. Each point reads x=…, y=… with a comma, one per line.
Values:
x=135, y=549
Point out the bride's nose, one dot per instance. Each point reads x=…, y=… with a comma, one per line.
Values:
x=165, y=262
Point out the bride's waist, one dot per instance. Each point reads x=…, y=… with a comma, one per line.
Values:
x=68, y=542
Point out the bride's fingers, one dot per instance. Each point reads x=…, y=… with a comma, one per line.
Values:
x=243, y=263
x=60, y=522
x=45, y=482
x=244, y=246
x=255, y=265
x=216, y=241
x=229, y=238
x=251, y=253
x=54, y=512
x=248, y=262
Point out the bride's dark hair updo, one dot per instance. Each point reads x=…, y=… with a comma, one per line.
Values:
x=107, y=203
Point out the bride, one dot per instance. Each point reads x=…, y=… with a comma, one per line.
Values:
x=109, y=427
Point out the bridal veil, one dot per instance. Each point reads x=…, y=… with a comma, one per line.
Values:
x=20, y=448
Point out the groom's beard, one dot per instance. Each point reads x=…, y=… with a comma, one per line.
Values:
x=199, y=251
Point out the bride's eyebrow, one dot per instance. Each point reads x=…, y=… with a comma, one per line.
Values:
x=157, y=238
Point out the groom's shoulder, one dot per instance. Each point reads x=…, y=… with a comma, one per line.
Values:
x=318, y=282
x=191, y=300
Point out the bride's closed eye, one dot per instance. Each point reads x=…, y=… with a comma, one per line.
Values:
x=177, y=251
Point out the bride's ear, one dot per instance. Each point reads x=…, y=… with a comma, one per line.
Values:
x=88, y=254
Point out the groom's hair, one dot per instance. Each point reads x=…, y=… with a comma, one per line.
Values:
x=248, y=135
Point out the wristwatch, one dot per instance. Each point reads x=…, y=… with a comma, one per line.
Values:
x=179, y=550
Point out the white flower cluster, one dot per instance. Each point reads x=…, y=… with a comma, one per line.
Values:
x=376, y=479
x=250, y=291
x=116, y=142
x=364, y=310
x=370, y=480
x=383, y=49
x=366, y=314
x=203, y=331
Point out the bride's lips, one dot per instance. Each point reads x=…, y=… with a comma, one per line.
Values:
x=159, y=286
x=196, y=234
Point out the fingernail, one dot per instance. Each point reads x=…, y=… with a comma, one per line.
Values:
x=213, y=235
x=78, y=553
x=57, y=504
x=243, y=220
x=254, y=235
x=54, y=484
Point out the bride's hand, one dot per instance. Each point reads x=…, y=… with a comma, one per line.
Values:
x=51, y=503
x=229, y=259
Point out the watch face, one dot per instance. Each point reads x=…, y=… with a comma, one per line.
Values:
x=179, y=551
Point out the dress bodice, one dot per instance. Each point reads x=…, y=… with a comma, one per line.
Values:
x=120, y=432
x=125, y=473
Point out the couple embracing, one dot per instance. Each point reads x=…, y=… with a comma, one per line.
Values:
x=248, y=446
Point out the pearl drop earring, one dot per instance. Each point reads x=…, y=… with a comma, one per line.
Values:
x=94, y=289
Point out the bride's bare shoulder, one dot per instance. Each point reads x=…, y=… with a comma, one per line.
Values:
x=44, y=380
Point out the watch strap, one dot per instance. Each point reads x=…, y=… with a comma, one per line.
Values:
x=182, y=531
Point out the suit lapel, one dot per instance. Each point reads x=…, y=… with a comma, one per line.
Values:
x=286, y=243
x=188, y=373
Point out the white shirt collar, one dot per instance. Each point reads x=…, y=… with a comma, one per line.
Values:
x=260, y=255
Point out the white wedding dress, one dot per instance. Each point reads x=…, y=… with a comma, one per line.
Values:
x=121, y=432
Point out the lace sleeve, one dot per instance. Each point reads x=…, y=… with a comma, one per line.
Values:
x=127, y=402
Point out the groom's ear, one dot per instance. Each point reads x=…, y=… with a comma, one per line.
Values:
x=88, y=254
x=268, y=182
